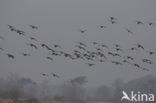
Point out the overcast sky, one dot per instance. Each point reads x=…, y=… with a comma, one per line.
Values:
x=59, y=22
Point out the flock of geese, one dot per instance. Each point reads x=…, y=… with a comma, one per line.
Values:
x=100, y=53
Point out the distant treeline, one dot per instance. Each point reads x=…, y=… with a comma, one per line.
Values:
x=74, y=90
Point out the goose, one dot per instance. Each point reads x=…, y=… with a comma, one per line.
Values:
x=83, y=31
x=90, y=64
x=140, y=46
x=151, y=23
x=33, y=27
x=32, y=45
x=139, y=22
x=129, y=31
x=55, y=75
x=49, y=58
x=11, y=56
x=32, y=38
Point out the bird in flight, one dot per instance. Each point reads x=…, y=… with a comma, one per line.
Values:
x=26, y=54
x=145, y=69
x=110, y=53
x=44, y=46
x=90, y=64
x=133, y=49
x=117, y=45
x=11, y=56
x=45, y=75
x=116, y=62
x=116, y=54
x=80, y=47
x=32, y=45
x=113, y=18
x=136, y=65
x=129, y=31
x=11, y=28
x=33, y=27
x=104, y=46
x=118, y=49
x=55, y=75
x=20, y=32
x=147, y=61
x=82, y=44
x=151, y=23
x=140, y=46
x=32, y=38
x=94, y=43
x=125, y=61
x=151, y=53
x=83, y=31
x=49, y=58
x=139, y=22
x=57, y=46
x=102, y=26
x=130, y=58
x=113, y=22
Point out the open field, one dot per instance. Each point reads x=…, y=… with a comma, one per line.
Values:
x=28, y=101
x=24, y=101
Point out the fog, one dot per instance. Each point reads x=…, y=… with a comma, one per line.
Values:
x=59, y=22
x=20, y=88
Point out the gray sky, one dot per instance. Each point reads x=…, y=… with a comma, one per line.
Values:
x=59, y=22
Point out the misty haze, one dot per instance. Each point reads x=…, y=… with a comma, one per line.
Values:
x=76, y=51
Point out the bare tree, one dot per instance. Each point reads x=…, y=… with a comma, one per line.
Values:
x=74, y=90
x=118, y=85
x=102, y=93
x=13, y=89
x=45, y=90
